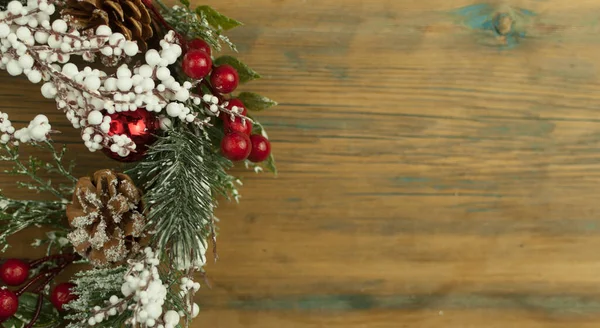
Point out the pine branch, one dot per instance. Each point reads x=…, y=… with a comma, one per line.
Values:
x=182, y=175
x=17, y=215
x=203, y=22
x=32, y=166
x=93, y=287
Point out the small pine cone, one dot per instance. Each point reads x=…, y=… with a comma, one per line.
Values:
x=128, y=17
x=107, y=217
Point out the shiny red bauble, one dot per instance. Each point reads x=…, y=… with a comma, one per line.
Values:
x=200, y=45
x=261, y=148
x=196, y=64
x=224, y=79
x=236, y=146
x=238, y=124
x=9, y=303
x=141, y=126
x=62, y=294
x=14, y=272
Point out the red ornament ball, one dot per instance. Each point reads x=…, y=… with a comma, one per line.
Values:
x=261, y=148
x=200, y=45
x=224, y=79
x=196, y=64
x=238, y=124
x=141, y=126
x=9, y=303
x=14, y=272
x=236, y=146
x=62, y=294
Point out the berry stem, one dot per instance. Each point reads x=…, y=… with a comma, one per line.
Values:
x=32, y=281
x=45, y=259
x=48, y=275
x=38, y=310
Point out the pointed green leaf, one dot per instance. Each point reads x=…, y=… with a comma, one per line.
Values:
x=185, y=3
x=246, y=73
x=256, y=102
x=217, y=19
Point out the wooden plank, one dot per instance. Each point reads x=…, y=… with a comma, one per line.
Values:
x=433, y=173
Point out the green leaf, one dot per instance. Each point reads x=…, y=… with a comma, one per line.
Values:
x=13, y=322
x=185, y=3
x=49, y=317
x=246, y=73
x=217, y=19
x=256, y=102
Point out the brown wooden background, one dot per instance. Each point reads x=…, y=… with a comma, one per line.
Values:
x=439, y=159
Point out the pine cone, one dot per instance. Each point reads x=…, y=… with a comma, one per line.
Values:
x=129, y=17
x=107, y=215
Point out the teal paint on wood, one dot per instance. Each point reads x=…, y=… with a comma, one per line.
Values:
x=563, y=305
x=507, y=25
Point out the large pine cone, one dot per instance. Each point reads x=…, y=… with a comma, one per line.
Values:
x=129, y=17
x=107, y=215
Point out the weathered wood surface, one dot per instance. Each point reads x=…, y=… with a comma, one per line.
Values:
x=434, y=173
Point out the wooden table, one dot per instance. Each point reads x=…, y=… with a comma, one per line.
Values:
x=439, y=166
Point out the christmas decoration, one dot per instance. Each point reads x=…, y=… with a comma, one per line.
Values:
x=129, y=17
x=14, y=272
x=200, y=45
x=237, y=124
x=9, y=303
x=236, y=146
x=197, y=63
x=261, y=148
x=224, y=79
x=62, y=294
x=107, y=217
x=140, y=126
x=156, y=95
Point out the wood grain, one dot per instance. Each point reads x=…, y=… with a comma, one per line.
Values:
x=434, y=172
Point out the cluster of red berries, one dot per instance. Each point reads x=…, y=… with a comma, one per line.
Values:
x=15, y=272
x=238, y=143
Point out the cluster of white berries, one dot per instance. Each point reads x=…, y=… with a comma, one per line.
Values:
x=144, y=294
x=32, y=44
x=37, y=130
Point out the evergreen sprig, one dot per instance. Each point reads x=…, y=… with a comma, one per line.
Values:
x=17, y=215
x=93, y=287
x=201, y=22
x=182, y=174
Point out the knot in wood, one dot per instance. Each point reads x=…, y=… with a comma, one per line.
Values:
x=503, y=23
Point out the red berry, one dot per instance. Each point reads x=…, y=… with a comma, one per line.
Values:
x=239, y=104
x=9, y=303
x=261, y=148
x=200, y=45
x=238, y=124
x=14, y=272
x=224, y=79
x=62, y=294
x=196, y=64
x=236, y=146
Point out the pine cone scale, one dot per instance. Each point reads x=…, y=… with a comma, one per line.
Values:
x=129, y=17
x=107, y=210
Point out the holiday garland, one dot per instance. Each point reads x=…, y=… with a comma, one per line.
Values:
x=155, y=97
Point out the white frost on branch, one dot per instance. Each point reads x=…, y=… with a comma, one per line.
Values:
x=37, y=130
